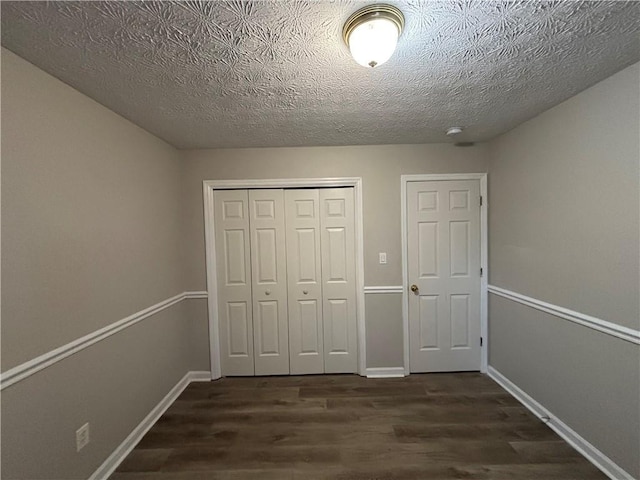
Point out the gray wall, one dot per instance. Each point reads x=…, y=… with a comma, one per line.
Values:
x=90, y=234
x=564, y=229
x=380, y=168
x=101, y=219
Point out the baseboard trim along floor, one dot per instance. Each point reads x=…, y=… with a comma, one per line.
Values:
x=573, y=438
x=384, y=372
x=120, y=453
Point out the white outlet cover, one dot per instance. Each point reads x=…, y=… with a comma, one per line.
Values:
x=82, y=437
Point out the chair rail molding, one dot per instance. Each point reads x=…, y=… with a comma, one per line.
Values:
x=383, y=289
x=603, y=326
x=30, y=367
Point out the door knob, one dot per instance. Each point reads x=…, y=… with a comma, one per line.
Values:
x=268, y=292
x=414, y=288
x=305, y=292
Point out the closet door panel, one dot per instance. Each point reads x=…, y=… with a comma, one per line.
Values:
x=337, y=223
x=234, y=281
x=267, y=333
x=304, y=276
x=309, y=338
x=269, y=282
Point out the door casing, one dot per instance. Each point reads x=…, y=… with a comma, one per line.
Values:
x=482, y=177
x=212, y=283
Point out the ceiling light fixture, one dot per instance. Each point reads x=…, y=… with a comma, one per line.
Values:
x=372, y=33
x=454, y=131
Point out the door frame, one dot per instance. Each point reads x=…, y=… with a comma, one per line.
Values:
x=209, y=186
x=482, y=177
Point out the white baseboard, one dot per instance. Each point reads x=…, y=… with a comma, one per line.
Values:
x=385, y=372
x=129, y=443
x=199, y=376
x=573, y=438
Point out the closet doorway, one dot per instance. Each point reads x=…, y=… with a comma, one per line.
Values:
x=284, y=276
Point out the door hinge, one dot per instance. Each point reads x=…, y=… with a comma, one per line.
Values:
x=480, y=341
x=481, y=271
x=480, y=200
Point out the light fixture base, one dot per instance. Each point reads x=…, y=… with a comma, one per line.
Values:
x=388, y=12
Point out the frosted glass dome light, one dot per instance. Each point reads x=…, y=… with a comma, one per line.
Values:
x=372, y=34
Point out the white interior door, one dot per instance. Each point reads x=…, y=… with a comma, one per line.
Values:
x=338, y=280
x=234, y=281
x=443, y=222
x=269, y=282
x=304, y=276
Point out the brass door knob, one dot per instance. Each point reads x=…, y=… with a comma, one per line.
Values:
x=414, y=288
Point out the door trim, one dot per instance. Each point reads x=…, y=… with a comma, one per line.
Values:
x=482, y=177
x=209, y=186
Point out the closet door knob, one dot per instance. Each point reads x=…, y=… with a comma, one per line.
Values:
x=268, y=292
x=305, y=291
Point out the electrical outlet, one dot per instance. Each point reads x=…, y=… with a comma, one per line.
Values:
x=383, y=258
x=82, y=437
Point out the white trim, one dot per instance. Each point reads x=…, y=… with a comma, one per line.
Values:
x=359, y=226
x=484, y=279
x=405, y=274
x=202, y=294
x=28, y=368
x=212, y=281
x=383, y=289
x=385, y=372
x=613, y=329
x=129, y=443
x=434, y=177
x=484, y=256
x=210, y=185
x=283, y=183
x=573, y=438
x=199, y=376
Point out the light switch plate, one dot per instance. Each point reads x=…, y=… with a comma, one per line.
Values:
x=383, y=258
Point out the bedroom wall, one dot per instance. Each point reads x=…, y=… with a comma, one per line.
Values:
x=380, y=168
x=100, y=220
x=564, y=229
x=91, y=226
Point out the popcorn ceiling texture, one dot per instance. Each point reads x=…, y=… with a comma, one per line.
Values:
x=276, y=72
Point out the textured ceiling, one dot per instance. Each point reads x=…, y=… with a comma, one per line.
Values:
x=276, y=72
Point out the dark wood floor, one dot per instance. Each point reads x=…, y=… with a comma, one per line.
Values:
x=437, y=426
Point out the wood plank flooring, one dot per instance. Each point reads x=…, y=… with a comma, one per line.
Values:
x=435, y=426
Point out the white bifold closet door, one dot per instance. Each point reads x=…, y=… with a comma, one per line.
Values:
x=338, y=279
x=269, y=282
x=286, y=281
x=304, y=273
x=235, y=303
x=321, y=275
